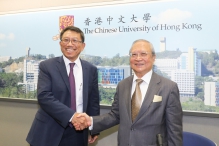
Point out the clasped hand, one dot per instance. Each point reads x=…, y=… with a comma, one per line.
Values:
x=81, y=121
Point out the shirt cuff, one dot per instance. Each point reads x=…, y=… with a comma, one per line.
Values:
x=71, y=118
x=91, y=126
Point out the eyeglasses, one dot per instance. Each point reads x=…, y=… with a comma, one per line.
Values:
x=73, y=41
x=141, y=54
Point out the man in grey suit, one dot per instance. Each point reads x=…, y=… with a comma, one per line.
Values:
x=155, y=118
x=53, y=123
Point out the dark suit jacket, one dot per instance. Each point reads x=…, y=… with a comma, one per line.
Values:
x=53, y=93
x=161, y=115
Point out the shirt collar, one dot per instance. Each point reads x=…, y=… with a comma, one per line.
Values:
x=67, y=61
x=146, y=78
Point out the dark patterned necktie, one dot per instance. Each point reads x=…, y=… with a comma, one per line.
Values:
x=72, y=87
x=136, y=99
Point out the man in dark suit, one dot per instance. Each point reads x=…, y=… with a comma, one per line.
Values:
x=53, y=123
x=145, y=106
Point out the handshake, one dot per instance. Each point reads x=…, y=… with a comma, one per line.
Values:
x=81, y=121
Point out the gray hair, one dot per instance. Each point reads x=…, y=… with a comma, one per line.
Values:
x=142, y=40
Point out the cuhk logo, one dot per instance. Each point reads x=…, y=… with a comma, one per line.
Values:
x=64, y=21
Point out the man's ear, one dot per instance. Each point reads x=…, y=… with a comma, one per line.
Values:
x=83, y=46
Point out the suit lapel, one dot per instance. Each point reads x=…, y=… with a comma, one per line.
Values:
x=85, y=84
x=62, y=69
x=128, y=97
x=153, y=88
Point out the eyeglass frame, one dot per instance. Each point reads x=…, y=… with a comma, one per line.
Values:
x=140, y=54
x=73, y=41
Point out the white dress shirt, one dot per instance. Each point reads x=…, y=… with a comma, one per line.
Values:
x=143, y=86
x=78, y=74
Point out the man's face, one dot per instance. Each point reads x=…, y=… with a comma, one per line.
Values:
x=71, y=45
x=141, y=60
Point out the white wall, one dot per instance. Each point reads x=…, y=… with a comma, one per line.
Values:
x=21, y=5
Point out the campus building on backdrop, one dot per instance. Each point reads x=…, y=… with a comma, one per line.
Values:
x=30, y=73
x=181, y=70
x=109, y=76
x=211, y=93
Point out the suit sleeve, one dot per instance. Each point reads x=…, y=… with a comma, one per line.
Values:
x=46, y=99
x=107, y=120
x=174, y=118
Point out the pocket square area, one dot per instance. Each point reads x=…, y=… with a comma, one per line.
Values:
x=157, y=98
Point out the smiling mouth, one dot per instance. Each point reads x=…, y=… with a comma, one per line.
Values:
x=139, y=64
x=70, y=50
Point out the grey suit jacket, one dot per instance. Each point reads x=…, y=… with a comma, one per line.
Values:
x=53, y=94
x=163, y=117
